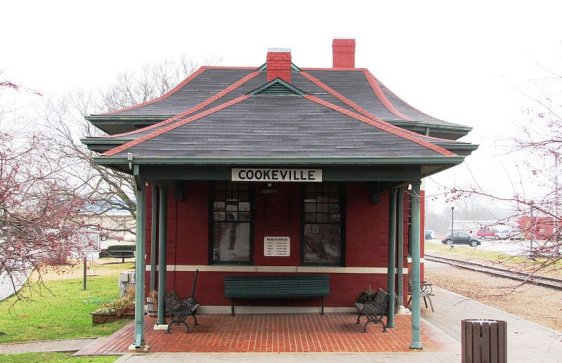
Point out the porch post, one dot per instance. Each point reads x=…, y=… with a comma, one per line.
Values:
x=162, y=240
x=391, y=272
x=140, y=267
x=415, y=273
x=153, y=229
x=400, y=249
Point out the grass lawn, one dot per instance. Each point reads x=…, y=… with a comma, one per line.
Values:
x=467, y=252
x=61, y=309
x=53, y=358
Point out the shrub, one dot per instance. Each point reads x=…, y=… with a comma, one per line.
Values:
x=121, y=248
x=366, y=296
x=125, y=304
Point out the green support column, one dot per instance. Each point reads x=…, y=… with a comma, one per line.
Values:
x=390, y=286
x=400, y=244
x=140, y=267
x=162, y=240
x=153, y=229
x=415, y=273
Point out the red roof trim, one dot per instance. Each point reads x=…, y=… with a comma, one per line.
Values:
x=336, y=94
x=382, y=97
x=230, y=67
x=195, y=108
x=191, y=77
x=174, y=126
x=334, y=69
x=382, y=125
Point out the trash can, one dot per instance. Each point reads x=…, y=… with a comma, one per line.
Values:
x=152, y=303
x=484, y=340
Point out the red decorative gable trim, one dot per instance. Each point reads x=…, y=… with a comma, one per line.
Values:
x=333, y=69
x=381, y=96
x=382, y=125
x=170, y=127
x=195, y=108
x=336, y=94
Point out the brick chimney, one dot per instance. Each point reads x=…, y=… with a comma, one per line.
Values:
x=279, y=64
x=343, y=52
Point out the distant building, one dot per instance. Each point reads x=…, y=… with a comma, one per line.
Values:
x=539, y=228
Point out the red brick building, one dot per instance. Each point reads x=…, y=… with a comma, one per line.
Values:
x=279, y=170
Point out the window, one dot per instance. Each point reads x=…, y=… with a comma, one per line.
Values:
x=231, y=223
x=323, y=225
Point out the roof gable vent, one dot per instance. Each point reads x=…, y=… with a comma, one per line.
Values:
x=277, y=87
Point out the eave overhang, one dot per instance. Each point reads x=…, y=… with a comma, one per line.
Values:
x=440, y=131
x=118, y=124
x=444, y=160
x=113, y=124
x=335, y=169
x=461, y=149
x=102, y=144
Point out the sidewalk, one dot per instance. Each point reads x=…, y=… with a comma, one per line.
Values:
x=67, y=345
x=527, y=341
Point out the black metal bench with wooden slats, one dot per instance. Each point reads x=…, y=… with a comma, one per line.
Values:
x=277, y=287
x=374, y=310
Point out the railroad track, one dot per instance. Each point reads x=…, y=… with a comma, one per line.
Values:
x=496, y=271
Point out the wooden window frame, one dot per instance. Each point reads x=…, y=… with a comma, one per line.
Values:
x=342, y=203
x=212, y=222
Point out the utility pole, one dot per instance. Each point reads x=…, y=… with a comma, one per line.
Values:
x=452, y=220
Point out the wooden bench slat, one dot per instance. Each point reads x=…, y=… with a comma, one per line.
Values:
x=267, y=287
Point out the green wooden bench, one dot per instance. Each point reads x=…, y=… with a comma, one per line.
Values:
x=277, y=287
x=122, y=254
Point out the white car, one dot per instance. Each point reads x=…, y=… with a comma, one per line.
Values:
x=501, y=234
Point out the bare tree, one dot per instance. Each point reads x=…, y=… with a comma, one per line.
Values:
x=50, y=189
x=111, y=192
x=535, y=200
x=40, y=211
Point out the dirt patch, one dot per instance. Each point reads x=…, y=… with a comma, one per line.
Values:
x=534, y=303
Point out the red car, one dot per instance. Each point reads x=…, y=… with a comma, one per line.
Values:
x=485, y=233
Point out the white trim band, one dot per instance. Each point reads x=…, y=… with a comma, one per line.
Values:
x=279, y=269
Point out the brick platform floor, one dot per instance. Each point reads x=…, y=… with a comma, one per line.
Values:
x=278, y=333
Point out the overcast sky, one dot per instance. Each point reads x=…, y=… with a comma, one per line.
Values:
x=469, y=62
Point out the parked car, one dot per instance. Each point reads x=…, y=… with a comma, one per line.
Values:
x=501, y=233
x=429, y=234
x=485, y=233
x=494, y=233
x=516, y=234
x=461, y=238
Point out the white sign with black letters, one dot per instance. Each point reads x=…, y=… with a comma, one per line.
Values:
x=277, y=246
x=276, y=175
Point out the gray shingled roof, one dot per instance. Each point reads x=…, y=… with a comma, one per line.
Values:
x=205, y=85
x=277, y=126
x=210, y=81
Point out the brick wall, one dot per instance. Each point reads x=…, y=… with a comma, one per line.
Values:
x=276, y=214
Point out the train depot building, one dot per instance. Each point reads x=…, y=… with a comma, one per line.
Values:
x=278, y=170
